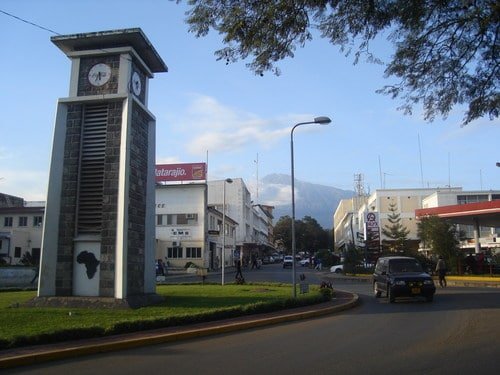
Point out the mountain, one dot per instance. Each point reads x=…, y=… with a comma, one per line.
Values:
x=317, y=201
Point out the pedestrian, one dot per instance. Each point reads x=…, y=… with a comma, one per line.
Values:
x=239, y=275
x=159, y=268
x=318, y=264
x=254, y=261
x=441, y=270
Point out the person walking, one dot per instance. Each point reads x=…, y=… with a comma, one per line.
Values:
x=441, y=271
x=318, y=264
x=239, y=275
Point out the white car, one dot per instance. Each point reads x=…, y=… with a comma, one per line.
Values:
x=339, y=268
x=288, y=261
x=304, y=262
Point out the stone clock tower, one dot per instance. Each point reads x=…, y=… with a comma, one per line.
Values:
x=99, y=230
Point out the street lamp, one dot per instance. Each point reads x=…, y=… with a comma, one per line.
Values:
x=323, y=120
x=229, y=181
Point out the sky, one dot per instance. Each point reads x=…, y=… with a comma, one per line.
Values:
x=225, y=114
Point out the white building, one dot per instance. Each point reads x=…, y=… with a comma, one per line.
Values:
x=21, y=226
x=487, y=236
x=187, y=230
x=350, y=215
x=346, y=222
x=254, y=231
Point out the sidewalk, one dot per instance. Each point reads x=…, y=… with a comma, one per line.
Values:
x=42, y=353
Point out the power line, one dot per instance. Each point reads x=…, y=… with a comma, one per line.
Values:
x=29, y=22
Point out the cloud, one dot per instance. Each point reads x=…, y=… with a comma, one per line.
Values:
x=219, y=128
x=277, y=194
x=169, y=160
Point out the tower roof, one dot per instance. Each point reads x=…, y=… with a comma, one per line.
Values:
x=134, y=38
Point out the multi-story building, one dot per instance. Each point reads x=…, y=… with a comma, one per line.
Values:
x=487, y=236
x=253, y=232
x=189, y=226
x=350, y=218
x=188, y=230
x=21, y=225
x=346, y=222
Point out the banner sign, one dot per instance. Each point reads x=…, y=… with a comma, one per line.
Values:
x=372, y=231
x=181, y=172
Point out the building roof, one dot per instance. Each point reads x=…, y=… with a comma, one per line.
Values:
x=487, y=213
x=134, y=38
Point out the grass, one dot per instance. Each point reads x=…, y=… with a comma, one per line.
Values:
x=184, y=304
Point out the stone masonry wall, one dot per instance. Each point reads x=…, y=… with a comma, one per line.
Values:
x=64, y=268
x=137, y=200
x=110, y=200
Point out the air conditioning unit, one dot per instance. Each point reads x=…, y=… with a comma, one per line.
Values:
x=176, y=243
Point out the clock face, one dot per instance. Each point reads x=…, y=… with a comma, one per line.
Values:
x=99, y=74
x=136, y=83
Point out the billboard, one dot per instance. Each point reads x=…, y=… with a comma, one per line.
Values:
x=181, y=172
x=372, y=232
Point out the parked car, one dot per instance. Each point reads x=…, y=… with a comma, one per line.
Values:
x=288, y=261
x=268, y=260
x=399, y=276
x=339, y=268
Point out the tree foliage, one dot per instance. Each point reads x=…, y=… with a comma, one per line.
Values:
x=309, y=235
x=440, y=236
x=395, y=231
x=445, y=51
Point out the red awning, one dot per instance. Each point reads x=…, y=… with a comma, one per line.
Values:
x=486, y=213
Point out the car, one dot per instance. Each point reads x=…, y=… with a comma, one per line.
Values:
x=288, y=261
x=399, y=276
x=339, y=268
x=267, y=260
x=304, y=262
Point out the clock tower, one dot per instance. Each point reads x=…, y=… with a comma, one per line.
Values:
x=99, y=230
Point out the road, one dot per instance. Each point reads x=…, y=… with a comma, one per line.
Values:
x=459, y=333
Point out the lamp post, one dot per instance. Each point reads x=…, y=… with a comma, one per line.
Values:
x=229, y=181
x=318, y=120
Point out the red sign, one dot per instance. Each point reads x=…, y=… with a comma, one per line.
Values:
x=181, y=172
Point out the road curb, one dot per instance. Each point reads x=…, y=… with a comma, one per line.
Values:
x=122, y=344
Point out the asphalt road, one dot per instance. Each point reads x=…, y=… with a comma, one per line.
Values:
x=459, y=333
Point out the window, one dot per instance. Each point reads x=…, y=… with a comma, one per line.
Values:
x=23, y=221
x=174, y=252
x=37, y=221
x=464, y=199
x=7, y=221
x=193, y=252
x=159, y=219
x=35, y=253
x=182, y=219
x=17, y=252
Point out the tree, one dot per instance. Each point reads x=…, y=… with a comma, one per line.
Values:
x=282, y=232
x=440, y=236
x=309, y=235
x=396, y=231
x=446, y=51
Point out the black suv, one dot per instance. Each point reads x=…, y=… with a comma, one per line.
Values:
x=402, y=277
